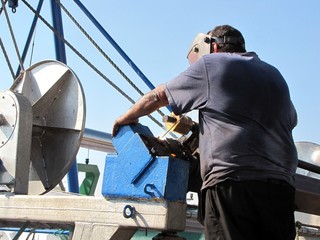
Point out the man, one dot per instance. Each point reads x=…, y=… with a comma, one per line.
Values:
x=247, y=154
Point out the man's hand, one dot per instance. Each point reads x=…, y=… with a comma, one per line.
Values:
x=147, y=104
x=120, y=121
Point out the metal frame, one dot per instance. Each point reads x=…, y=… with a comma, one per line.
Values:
x=91, y=217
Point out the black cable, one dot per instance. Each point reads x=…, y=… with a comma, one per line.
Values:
x=86, y=60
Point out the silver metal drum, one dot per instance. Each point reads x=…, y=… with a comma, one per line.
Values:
x=58, y=106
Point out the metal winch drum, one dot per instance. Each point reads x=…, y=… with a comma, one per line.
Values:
x=42, y=120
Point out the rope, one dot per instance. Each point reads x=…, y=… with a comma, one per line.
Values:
x=21, y=230
x=32, y=233
x=32, y=47
x=1, y=8
x=85, y=59
x=98, y=48
x=7, y=59
x=12, y=34
x=102, y=52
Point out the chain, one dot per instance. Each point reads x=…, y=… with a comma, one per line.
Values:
x=85, y=59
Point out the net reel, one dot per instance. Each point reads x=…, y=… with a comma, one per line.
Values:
x=42, y=120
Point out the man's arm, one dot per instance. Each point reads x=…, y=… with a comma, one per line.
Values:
x=147, y=104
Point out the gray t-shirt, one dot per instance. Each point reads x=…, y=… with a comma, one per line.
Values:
x=246, y=117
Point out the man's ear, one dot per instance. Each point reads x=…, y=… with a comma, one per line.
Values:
x=214, y=47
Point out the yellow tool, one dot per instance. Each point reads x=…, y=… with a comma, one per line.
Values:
x=180, y=124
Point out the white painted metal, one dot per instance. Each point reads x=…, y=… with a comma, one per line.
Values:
x=308, y=152
x=92, y=217
x=101, y=219
x=58, y=108
x=15, y=141
x=97, y=140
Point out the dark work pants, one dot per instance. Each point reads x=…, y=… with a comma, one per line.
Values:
x=249, y=210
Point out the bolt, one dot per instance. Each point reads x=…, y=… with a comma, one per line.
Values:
x=2, y=119
x=153, y=150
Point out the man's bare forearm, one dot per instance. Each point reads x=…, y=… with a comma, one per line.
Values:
x=147, y=104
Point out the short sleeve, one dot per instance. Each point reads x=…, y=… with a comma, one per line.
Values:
x=189, y=90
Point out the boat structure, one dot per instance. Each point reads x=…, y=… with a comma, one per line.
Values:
x=149, y=184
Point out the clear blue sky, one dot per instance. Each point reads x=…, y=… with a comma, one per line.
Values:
x=156, y=36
